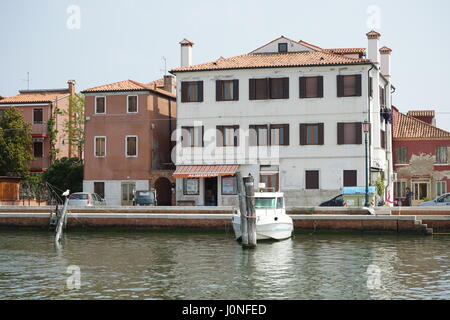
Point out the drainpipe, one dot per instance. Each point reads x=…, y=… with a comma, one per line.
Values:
x=368, y=116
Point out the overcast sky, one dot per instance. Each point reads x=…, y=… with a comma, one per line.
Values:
x=102, y=41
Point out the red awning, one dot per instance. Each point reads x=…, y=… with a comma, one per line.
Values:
x=205, y=171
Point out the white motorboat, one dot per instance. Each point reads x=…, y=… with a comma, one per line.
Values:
x=272, y=222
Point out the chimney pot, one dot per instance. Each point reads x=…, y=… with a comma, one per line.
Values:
x=385, y=53
x=71, y=84
x=373, y=53
x=169, y=84
x=186, y=52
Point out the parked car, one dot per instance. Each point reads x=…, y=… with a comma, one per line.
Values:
x=145, y=198
x=85, y=199
x=335, y=202
x=443, y=200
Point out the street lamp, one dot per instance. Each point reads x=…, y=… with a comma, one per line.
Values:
x=366, y=129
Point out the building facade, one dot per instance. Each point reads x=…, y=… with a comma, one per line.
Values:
x=37, y=108
x=421, y=156
x=290, y=114
x=128, y=141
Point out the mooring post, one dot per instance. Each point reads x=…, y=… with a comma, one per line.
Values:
x=249, y=184
x=242, y=209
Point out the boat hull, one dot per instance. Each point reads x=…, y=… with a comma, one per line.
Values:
x=267, y=229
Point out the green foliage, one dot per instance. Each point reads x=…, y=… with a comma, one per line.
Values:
x=15, y=144
x=380, y=186
x=74, y=127
x=65, y=173
x=52, y=132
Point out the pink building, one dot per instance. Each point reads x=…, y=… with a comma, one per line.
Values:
x=38, y=107
x=421, y=154
x=128, y=144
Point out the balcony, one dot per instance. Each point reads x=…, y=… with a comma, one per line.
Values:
x=40, y=163
x=39, y=129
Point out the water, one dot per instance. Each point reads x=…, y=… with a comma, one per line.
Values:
x=156, y=265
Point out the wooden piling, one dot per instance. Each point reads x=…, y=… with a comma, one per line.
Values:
x=242, y=209
x=249, y=184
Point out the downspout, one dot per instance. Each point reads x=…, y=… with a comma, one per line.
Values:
x=368, y=115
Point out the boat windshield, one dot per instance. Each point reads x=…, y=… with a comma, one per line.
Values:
x=264, y=203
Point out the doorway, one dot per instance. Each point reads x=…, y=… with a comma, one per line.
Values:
x=128, y=189
x=163, y=188
x=211, y=191
x=421, y=192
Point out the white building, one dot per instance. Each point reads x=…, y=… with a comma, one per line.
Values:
x=290, y=114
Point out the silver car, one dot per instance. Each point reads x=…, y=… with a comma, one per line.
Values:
x=443, y=200
x=85, y=199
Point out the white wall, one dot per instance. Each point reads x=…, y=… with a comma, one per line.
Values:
x=113, y=189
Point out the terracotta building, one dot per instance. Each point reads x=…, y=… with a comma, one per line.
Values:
x=421, y=156
x=38, y=107
x=128, y=140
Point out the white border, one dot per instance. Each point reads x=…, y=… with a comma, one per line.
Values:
x=95, y=105
x=137, y=103
x=95, y=146
x=42, y=115
x=137, y=146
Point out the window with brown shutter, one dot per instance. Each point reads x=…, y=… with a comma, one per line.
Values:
x=132, y=104
x=383, y=139
x=192, y=136
x=382, y=97
x=279, y=88
x=38, y=116
x=38, y=149
x=350, y=178
x=269, y=88
x=311, y=87
x=100, y=103
x=192, y=91
x=259, y=135
x=349, y=133
x=227, y=136
x=227, y=90
x=311, y=134
x=401, y=155
x=349, y=85
x=131, y=146
x=279, y=134
x=311, y=179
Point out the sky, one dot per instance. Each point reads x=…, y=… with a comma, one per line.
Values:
x=97, y=42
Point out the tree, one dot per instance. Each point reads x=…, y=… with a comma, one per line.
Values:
x=15, y=144
x=74, y=127
x=65, y=173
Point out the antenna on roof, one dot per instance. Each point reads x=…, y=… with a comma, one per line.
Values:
x=27, y=80
x=165, y=65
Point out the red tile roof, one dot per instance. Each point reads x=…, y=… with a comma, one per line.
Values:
x=421, y=113
x=36, y=96
x=128, y=85
x=267, y=60
x=346, y=50
x=408, y=127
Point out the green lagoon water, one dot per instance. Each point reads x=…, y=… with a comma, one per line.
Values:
x=157, y=265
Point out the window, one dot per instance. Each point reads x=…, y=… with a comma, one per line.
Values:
x=312, y=179
x=282, y=47
x=280, y=203
x=269, y=88
x=229, y=185
x=371, y=87
x=38, y=149
x=311, y=134
x=401, y=155
x=441, y=188
x=227, y=90
x=350, y=133
x=400, y=189
x=38, y=116
x=271, y=180
x=191, y=186
x=258, y=135
x=100, y=105
x=383, y=139
x=227, y=136
x=311, y=87
x=132, y=104
x=100, y=146
x=131, y=146
x=441, y=155
x=192, y=91
x=192, y=136
x=99, y=188
x=350, y=178
x=382, y=97
x=349, y=85
x=279, y=134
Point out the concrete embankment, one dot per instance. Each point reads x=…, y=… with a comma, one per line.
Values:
x=219, y=218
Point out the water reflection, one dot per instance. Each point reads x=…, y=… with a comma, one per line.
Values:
x=149, y=265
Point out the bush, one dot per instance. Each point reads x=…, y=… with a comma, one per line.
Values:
x=65, y=173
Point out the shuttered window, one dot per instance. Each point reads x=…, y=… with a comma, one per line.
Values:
x=349, y=133
x=311, y=87
x=383, y=139
x=401, y=155
x=350, y=178
x=349, y=85
x=100, y=146
x=100, y=105
x=269, y=88
x=131, y=146
x=279, y=134
x=441, y=155
x=38, y=149
x=311, y=134
x=99, y=188
x=192, y=136
x=311, y=179
x=132, y=104
x=382, y=97
x=259, y=135
x=38, y=116
x=227, y=90
x=227, y=136
x=192, y=91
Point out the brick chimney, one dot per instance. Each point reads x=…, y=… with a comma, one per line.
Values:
x=169, y=84
x=186, y=52
x=71, y=84
x=385, y=53
x=373, y=53
x=428, y=116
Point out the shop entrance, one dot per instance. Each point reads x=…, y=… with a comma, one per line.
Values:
x=211, y=191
